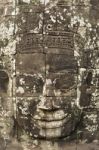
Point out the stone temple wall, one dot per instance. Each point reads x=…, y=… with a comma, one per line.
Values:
x=49, y=74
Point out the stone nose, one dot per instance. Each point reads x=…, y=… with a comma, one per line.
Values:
x=48, y=97
x=48, y=88
x=46, y=104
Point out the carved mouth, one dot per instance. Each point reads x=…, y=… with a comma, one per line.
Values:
x=52, y=128
x=52, y=124
x=51, y=115
x=51, y=120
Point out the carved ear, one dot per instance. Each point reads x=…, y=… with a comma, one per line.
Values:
x=86, y=90
x=4, y=79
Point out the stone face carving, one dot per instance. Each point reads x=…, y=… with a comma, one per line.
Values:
x=51, y=111
x=49, y=74
x=47, y=86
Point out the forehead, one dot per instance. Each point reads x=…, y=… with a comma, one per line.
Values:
x=30, y=63
x=40, y=62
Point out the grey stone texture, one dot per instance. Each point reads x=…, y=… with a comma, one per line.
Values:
x=49, y=74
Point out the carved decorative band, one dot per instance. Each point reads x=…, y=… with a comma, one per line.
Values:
x=63, y=40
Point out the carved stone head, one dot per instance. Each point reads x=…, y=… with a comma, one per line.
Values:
x=47, y=87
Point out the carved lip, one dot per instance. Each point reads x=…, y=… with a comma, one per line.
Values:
x=47, y=116
x=52, y=124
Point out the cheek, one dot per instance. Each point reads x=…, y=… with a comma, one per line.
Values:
x=64, y=101
x=72, y=92
x=25, y=111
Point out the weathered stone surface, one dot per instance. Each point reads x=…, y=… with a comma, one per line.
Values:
x=30, y=75
x=49, y=74
x=50, y=19
x=87, y=146
x=29, y=85
x=81, y=3
x=64, y=14
x=27, y=63
x=30, y=21
x=43, y=121
x=89, y=129
x=59, y=43
x=29, y=43
x=60, y=62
